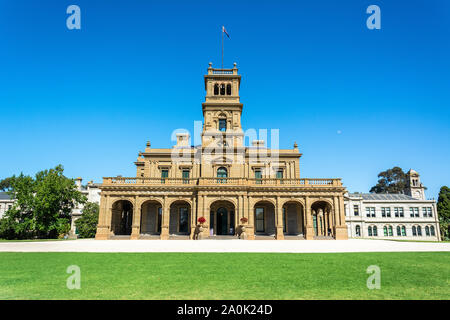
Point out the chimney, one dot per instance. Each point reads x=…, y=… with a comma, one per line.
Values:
x=78, y=183
x=182, y=139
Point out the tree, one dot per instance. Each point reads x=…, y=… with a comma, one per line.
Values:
x=443, y=208
x=42, y=207
x=87, y=223
x=390, y=181
x=5, y=184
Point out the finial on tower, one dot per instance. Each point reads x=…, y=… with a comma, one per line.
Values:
x=295, y=145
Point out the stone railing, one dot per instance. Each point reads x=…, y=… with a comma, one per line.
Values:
x=222, y=71
x=148, y=181
x=111, y=181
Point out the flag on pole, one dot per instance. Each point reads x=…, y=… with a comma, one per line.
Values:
x=225, y=31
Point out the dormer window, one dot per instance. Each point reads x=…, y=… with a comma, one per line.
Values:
x=222, y=124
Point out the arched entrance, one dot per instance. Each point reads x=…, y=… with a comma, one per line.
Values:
x=180, y=218
x=264, y=218
x=222, y=218
x=322, y=219
x=151, y=217
x=293, y=222
x=122, y=217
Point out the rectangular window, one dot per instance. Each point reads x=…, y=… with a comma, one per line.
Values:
x=401, y=213
x=383, y=212
x=396, y=212
x=388, y=212
x=164, y=175
x=370, y=212
x=258, y=176
x=430, y=212
x=222, y=124
x=259, y=218
x=356, y=210
x=427, y=212
x=416, y=212
x=411, y=212
x=280, y=175
x=185, y=176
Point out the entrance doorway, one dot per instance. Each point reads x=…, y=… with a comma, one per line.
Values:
x=222, y=221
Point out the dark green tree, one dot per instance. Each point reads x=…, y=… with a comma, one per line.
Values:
x=5, y=184
x=443, y=208
x=43, y=205
x=390, y=181
x=87, y=223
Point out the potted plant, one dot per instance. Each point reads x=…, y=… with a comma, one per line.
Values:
x=243, y=222
x=201, y=221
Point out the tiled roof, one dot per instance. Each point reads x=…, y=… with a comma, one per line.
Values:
x=382, y=196
x=4, y=196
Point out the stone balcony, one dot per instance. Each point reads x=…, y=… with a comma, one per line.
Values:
x=305, y=182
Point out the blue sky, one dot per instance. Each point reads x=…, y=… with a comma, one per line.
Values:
x=357, y=101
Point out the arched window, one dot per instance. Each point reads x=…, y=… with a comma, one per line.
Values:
x=403, y=231
x=427, y=231
x=358, y=231
x=222, y=172
x=222, y=89
x=399, y=233
x=369, y=231
x=375, y=231
x=414, y=232
x=228, y=89
x=390, y=231
x=419, y=231
x=222, y=124
x=432, y=231
x=385, y=231
x=216, y=89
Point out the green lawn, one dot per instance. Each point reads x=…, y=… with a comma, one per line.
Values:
x=225, y=275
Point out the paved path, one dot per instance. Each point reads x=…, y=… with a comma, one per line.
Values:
x=222, y=246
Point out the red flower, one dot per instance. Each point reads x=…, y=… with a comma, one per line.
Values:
x=201, y=220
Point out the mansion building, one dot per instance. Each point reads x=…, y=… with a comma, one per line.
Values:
x=226, y=183
x=407, y=216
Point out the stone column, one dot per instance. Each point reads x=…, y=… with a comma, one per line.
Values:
x=193, y=216
x=309, y=223
x=250, y=216
x=165, y=219
x=104, y=225
x=279, y=220
x=136, y=225
x=341, y=228
x=206, y=215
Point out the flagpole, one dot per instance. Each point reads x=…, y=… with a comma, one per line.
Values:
x=222, y=47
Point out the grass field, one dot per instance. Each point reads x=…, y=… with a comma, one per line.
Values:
x=225, y=275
